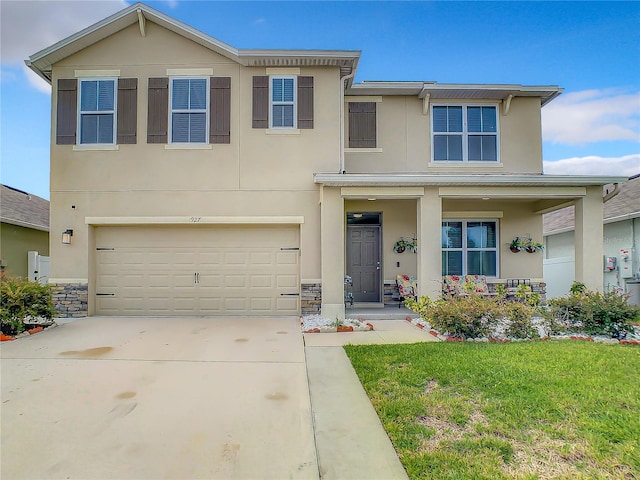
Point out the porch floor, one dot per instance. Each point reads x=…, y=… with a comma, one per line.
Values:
x=389, y=312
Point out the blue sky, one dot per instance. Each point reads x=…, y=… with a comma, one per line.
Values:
x=591, y=49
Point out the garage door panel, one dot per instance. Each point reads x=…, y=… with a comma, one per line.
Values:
x=235, y=258
x=287, y=258
x=288, y=303
x=261, y=281
x=235, y=281
x=209, y=259
x=286, y=281
x=197, y=271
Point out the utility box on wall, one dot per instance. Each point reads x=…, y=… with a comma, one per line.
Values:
x=626, y=263
x=610, y=263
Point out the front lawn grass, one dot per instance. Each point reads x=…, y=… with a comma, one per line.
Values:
x=519, y=410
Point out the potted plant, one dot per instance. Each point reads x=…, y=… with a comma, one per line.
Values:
x=517, y=244
x=532, y=246
x=403, y=244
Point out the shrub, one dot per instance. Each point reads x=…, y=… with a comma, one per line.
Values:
x=22, y=300
x=594, y=313
x=519, y=320
x=468, y=316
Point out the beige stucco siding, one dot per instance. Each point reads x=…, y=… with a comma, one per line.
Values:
x=260, y=173
x=404, y=140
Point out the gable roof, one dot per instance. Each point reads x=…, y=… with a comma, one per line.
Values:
x=23, y=209
x=41, y=62
x=624, y=205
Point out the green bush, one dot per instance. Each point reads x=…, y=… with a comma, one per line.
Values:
x=22, y=300
x=467, y=316
x=519, y=319
x=594, y=313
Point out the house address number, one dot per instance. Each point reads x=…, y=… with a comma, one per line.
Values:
x=196, y=219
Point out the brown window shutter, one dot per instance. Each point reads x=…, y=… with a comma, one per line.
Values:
x=67, y=111
x=260, y=102
x=158, y=112
x=127, y=110
x=220, y=110
x=362, y=125
x=305, y=102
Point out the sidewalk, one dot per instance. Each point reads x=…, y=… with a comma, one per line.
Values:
x=350, y=440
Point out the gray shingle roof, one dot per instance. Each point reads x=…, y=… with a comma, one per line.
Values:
x=23, y=209
x=625, y=203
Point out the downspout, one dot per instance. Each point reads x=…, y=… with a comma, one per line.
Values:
x=345, y=80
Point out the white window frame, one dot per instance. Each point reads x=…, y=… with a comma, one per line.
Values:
x=272, y=104
x=81, y=112
x=466, y=249
x=188, y=110
x=465, y=134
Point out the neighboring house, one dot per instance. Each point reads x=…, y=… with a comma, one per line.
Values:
x=24, y=228
x=620, y=257
x=200, y=179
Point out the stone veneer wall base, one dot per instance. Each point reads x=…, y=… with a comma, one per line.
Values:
x=311, y=299
x=71, y=299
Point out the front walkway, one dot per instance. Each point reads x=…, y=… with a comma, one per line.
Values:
x=350, y=439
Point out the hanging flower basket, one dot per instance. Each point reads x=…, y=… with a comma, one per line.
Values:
x=406, y=244
x=518, y=244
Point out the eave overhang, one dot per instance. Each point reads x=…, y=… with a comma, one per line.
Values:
x=42, y=61
x=480, y=180
x=451, y=91
x=20, y=223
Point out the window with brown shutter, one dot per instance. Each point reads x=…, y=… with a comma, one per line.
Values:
x=305, y=102
x=220, y=110
x=362, y=125
x=127, y=121
x=67, y=111
x=260, y=116
x=158, y=110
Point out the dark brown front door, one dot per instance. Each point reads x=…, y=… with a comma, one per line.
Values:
x=363, y=262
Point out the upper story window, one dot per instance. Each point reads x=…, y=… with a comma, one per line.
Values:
x=470, y=247
x=283, y=102
x=464, y=133
x=362, y=125
x=189, y=113
x=97, y=112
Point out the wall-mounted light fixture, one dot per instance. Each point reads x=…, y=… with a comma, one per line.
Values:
x=66, y=236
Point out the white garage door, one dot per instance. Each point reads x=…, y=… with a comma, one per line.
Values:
x=197, y=270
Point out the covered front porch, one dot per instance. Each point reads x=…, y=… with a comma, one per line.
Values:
x=462, y=225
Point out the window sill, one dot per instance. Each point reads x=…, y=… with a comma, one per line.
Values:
x=282, y=131
x=363, y=150
x=188, y=146
x=467, y=164
x=88, y=148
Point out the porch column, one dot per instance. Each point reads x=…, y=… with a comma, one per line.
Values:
x=429, y=244
x=589, y=239
x=332, y=253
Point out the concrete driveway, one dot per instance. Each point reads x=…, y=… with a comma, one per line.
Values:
x=142, y=398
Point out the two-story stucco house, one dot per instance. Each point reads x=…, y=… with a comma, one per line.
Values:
x=199, y=179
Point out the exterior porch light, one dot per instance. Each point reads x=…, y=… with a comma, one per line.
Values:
x=371, y=199
x=66, y=236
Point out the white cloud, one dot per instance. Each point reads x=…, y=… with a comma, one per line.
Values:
x=28, y=26
x=590, y=116
x=627, y=165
